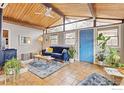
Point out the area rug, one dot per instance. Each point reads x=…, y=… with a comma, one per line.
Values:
x=43, y=69
x=96, y=80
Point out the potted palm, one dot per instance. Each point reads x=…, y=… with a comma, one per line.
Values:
x=12, y=67
x=72, y=53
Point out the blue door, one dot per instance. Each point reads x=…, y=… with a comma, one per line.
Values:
x=87, y=45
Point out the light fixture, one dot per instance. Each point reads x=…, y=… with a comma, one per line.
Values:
x=40, y=38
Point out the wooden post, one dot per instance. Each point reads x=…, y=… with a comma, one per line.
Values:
x=94, y=22
x=122, y=20
x=1, y=30
x=64, y=23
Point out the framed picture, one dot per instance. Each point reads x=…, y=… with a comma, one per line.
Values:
x=24, y=40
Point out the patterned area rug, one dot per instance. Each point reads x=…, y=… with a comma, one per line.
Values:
x=97, y=80
x=44, y=69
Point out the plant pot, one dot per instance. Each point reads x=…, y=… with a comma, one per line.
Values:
x=71, y=60
x=101, y=63
x=11, y=71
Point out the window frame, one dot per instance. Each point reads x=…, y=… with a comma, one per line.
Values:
x=110, y=28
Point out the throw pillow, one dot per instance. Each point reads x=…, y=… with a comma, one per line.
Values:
x=50, y=50
x=64, y=51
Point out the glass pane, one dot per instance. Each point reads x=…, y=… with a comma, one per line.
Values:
x=70, y=35
x=112, y=32
x=54, y=39
x=54, y=42
x=83, y=24
x=113, y=41
x=55, y=29
x=77, y=25
x=70, y=26
x=70, y=41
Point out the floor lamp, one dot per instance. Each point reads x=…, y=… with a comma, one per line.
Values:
x=40, y=39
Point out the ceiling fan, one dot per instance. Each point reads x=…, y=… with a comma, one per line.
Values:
x=3, y=5
x=47, y=13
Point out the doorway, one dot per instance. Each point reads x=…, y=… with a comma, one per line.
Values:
x=87, y=45
x=5, y=39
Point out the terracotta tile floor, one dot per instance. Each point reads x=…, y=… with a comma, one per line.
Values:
x=71, y=74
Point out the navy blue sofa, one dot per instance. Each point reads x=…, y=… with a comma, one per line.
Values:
x=57, y=53
x=7, y=54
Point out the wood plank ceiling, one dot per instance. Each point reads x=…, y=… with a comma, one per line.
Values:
x=79, y=10
x=24, y=13
x=115, y=11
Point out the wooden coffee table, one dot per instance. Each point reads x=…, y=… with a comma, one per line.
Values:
x=41, y=57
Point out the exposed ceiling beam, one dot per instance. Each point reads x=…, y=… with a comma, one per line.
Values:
x=123, y=21
x=22, y=23
x=92, y=11
x=54, y=9
x=96, y=17
x=108, y=18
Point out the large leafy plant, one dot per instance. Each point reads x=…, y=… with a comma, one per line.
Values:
x=72, y=52
x=113, y=59
x=102, y=44
x=102, y=40
x=12, y=65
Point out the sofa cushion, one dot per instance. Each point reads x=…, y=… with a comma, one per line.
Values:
x=47, y=53
x=56, y=55
x=58, y=49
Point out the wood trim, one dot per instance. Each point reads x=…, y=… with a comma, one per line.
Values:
x=64, y=23
x=92, y=11
x=22, y=23
x=94, y=23
x=108, y=18
x=78, y=16
x=122, y=20
x=56, y=10
x=96, y=17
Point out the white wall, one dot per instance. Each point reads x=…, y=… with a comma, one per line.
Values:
x=15, y=31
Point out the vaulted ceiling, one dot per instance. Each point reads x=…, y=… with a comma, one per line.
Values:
x=25, y=13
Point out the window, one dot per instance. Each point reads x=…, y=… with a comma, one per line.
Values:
x=70, y=38
x=113, y=33
x=54, y=39
x=55, y=29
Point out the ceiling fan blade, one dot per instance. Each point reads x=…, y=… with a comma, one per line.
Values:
x=48, y=12
x=51, y=16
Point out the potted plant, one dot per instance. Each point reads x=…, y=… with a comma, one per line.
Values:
x=102, y=48
x=12, y=67
x=72, y=52
x=113, y=58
